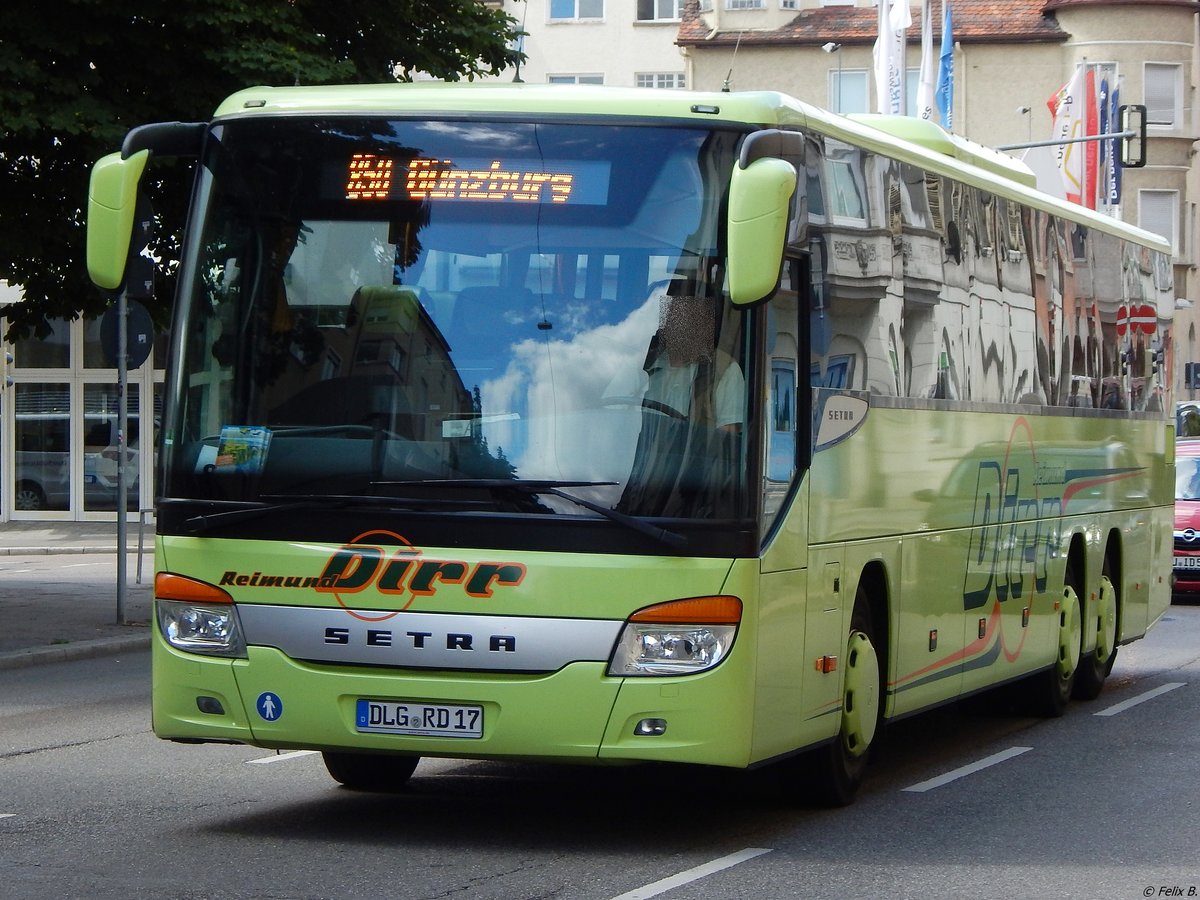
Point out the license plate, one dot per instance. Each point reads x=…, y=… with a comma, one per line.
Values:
x=1187, y=562
x=421, y=719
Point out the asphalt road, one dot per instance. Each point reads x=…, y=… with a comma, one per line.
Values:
x=1100, y=803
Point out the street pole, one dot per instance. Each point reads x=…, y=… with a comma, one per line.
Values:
x=122, y=425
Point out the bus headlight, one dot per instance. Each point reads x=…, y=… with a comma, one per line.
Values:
x=197, y=617
x=196, y=628
x=677, y=638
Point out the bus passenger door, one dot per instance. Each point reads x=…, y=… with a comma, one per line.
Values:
x=801, y=639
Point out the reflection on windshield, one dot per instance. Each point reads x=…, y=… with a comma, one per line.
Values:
x=355, y=347
x=1187, y=478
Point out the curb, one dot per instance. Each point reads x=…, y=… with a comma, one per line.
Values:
x=46, y=551
x=36, y=656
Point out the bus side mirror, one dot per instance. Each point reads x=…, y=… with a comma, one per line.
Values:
x=112, y=203
x=1133, y=147
x=759, y=201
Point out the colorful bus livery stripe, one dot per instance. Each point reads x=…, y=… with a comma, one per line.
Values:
x=1020, y=499
x=979, y=654
x=1023, y=493
x=358, y=566
x=1088, y=479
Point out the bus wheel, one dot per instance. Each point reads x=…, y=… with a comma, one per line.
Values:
x=839, y=766
x=1094, y=667
x=1050, y=691
x=375, y=772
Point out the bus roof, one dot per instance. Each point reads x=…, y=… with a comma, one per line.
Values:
x=924, y=144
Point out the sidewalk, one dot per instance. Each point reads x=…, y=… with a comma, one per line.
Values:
x=45, y=619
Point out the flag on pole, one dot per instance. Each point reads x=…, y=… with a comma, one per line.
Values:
x=1066, y=106
x=1114, y=154
x=889, y=56
x=1106, y=146
x=925, y=83
x=945, y=80
x=1091, y=149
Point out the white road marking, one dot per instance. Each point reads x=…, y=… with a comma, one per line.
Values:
x=1140, y=698
x=971, y=769
x=695, y=874
x=279, y=757
x=7, y=815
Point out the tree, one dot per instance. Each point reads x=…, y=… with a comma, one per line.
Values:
x=76, y=75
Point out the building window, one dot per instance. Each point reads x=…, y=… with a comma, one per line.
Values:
x=745, y=4
x=659, y=10
x=1161, y=86
x=576, y=9
x=50, y=352
x=660, y=80
x=789, y=4
x=848, y=91
x=1158, y=211
x=575, y=79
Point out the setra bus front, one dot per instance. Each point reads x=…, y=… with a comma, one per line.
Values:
x=457, y=456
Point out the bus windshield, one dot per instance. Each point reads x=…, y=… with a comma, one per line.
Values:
x=412, y=308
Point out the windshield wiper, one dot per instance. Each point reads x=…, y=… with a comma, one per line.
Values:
x=209, y=521
x=539, y=486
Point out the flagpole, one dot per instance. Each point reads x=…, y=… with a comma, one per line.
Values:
x=926, y=78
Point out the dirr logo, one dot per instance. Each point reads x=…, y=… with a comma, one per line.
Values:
x=1015, y=529
x=389, y=564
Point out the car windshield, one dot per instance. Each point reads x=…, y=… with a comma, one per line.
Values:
x=1187, y=478
x=392, y=307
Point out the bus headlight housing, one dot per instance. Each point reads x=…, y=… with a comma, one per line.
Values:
x=681, y=637
x=197, y=617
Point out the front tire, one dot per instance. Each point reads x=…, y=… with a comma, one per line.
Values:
x=373, y=772
x=838, y=767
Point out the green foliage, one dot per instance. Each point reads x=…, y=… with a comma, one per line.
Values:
x=76, y=75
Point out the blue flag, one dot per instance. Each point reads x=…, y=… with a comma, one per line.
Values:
x=1107, y=146
x=945, y=82
x=1113, y=182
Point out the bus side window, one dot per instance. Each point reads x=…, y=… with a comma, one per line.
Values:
x=784, y=438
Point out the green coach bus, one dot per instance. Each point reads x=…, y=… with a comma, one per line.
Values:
x=610, y=426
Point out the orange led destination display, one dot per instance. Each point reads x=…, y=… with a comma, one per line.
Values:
x=373, y=177
x=369, y=177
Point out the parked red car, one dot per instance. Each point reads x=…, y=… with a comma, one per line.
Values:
x=1186, y=569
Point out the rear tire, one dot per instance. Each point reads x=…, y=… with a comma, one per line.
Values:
x=1097, y=665
x=1048, y=692
x=374, y=772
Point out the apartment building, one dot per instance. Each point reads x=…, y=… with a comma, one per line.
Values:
x=628, y=43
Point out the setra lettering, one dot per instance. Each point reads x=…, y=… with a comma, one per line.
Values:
x=420, y=640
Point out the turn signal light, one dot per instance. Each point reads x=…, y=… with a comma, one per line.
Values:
x=717, y=610
x=169, y=586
